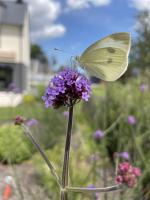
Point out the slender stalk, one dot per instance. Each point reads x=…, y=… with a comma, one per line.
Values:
x=94, y=190
x=113, y=125
x=65, y=172
x=49, y=164
x=17, y=181
x=105, y=182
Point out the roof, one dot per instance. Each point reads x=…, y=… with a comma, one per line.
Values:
x=12, y=13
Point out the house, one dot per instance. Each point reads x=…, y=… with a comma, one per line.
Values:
x=14, y=45
x=40, y=73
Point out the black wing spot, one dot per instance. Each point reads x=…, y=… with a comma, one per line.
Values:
x=111, y=50
x=109, y=60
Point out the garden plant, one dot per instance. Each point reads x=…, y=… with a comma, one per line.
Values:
x=68, y=88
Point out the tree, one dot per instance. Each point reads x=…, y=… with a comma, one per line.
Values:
x=37, y=53
x=140, y=54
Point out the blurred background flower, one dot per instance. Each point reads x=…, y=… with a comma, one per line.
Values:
x=32, y=122
x=132, y=120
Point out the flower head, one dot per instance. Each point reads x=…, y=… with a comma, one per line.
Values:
x=143, y=87
x=19, y=120
x=31, y=122
x=127, y=174
x=66, y=114
x=131, y=120
x=98, y=135
x=66, y=88
x=125, y=155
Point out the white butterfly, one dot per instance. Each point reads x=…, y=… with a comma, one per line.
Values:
x=107, y=59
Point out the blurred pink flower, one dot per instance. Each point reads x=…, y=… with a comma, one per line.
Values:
x=136, y=171
x=127, y=174
x=119, y=179
x=19, y=120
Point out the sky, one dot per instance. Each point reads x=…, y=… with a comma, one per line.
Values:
x=73, y=25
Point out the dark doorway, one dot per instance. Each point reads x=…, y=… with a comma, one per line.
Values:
x=6, y=77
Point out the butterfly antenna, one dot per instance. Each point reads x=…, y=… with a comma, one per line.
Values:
x=66, y=52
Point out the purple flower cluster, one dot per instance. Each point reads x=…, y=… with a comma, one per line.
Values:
x=66, y=88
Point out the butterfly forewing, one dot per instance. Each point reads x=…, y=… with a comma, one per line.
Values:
x=117, y=40
x=107, y=58
x=105, y=63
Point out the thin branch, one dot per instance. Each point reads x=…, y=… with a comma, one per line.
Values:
x=94, y=190
x=39, y=149
x=112, y=126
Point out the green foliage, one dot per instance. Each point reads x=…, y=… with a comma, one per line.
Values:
x=108, y=110
x=48, y=133
x=81, y=170
x=108, y=103
x=14, y=147
x=29, y=99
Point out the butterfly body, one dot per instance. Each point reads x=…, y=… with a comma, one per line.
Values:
x=107, y=59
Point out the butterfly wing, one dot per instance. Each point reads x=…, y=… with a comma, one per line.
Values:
x=107, y=59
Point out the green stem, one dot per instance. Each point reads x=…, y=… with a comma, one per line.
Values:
x=114, y=124
x=94, y=190
x=49, y=164
x=65, y=172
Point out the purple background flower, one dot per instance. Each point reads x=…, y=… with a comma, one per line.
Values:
x=99, y=134
x=32, y=122
x=131, y=120
x=125, y=155
x=66, y=114
x=143, y=87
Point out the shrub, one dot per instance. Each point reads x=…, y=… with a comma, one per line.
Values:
x=14, y=147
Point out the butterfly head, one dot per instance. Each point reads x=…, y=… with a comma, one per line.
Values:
x=77, y=58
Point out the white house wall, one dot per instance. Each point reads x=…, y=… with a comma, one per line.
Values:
x=26, y=42
x=11, y=41
x=26, y=50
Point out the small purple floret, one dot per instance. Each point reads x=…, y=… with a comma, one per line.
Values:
x=66, y=88
x=125, y=155
x=98, y=135
x=66, y=114
x=32, y=122
x=143, y=87
x=131, y=120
